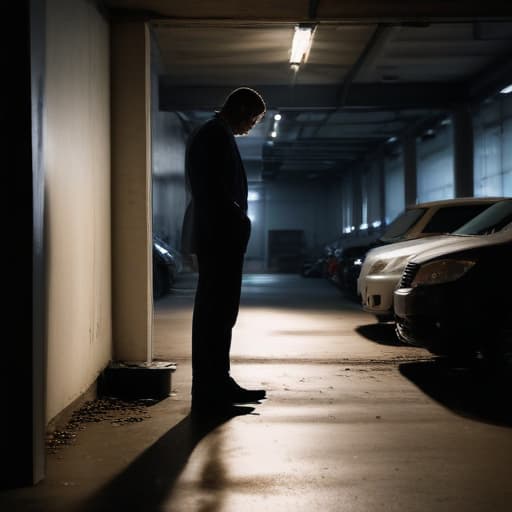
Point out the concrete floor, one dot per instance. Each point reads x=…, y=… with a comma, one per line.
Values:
x=353, y=422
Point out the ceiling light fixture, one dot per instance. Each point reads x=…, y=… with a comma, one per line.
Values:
x=278, y=117
x=506, y=90
x=301, y=44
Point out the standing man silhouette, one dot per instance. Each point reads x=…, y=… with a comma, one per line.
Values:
x=219, y=228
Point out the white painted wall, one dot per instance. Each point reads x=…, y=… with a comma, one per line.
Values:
x=77, y=167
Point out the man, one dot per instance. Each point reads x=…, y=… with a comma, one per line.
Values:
x=220, y=230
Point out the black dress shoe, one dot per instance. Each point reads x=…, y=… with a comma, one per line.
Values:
x=239, y=395
x=224, y=395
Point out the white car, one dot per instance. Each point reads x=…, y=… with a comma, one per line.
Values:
x=383, y=266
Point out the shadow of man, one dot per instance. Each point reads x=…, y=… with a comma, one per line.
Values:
x=149, y=480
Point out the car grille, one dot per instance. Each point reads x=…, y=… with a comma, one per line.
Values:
x=408, y=275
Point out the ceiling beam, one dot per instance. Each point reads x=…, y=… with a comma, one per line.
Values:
x=367, y=11
x=373, y=48
x=317, y=97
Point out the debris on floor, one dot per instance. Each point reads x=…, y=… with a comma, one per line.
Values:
x=117, y=412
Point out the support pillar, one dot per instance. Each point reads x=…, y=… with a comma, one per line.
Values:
x=357, y=198
x=132, y=302
x=410, y=170
x=463, y=152
x=382, y=190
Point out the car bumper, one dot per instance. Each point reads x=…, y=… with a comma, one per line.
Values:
x=442, y=318
x=377, y=293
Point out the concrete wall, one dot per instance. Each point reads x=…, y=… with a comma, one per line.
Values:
x=435, y=165
x=493, y=147
x=288, y=206
x=77, y=166
x=169, y=191
x=394, y=187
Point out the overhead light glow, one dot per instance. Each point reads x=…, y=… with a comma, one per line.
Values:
x=301, y=44
x=506, y=90
x=278, y=117
x=253, y=195
x=363, y=226
x=273, y=134
x=392, y=139
x=376, y=224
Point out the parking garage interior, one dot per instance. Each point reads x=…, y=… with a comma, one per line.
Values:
x=393, y=105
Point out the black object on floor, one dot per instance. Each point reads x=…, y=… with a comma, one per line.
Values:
x=131, y=381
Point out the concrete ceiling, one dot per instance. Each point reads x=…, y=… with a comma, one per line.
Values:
x=376, y=70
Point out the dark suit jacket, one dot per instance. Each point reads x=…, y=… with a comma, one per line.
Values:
x=216, y=218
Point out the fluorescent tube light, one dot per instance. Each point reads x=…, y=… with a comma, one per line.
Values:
x=278, y=117
x=301, y=44
x=506, y=90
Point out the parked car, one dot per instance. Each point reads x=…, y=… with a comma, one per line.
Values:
x=456, y=300
x=434, y=218
x=419, y=221
x=166, y=265
x=383, y=266
x=348, y=268
x=314, y=268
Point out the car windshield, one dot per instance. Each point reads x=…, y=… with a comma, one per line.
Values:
x=449, y=218
x=402, y=224
x=495, y=218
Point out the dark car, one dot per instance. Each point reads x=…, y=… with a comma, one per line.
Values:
x=166, y=265
x=348, y=268
x=456, y=301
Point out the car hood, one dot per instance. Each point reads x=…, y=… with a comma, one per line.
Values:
x=462, y=243
x=394, y=257
x=400, y=248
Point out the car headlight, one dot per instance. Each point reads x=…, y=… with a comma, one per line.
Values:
x=377, y=266
x=441, y=271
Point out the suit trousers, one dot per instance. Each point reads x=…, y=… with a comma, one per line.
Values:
x=216, y=306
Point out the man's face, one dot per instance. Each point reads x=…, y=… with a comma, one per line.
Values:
x=245, y=126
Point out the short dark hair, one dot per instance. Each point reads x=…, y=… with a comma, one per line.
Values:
x=242, y=103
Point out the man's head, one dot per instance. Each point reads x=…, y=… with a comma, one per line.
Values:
x=243, y=108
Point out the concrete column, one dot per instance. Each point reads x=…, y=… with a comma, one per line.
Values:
x=131, y=192
x=463, y=152
x=382, y=189
x=357, y=199
x=410, y=172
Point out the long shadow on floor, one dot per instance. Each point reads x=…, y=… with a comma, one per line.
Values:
x=473, y=391
x=149, y=480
